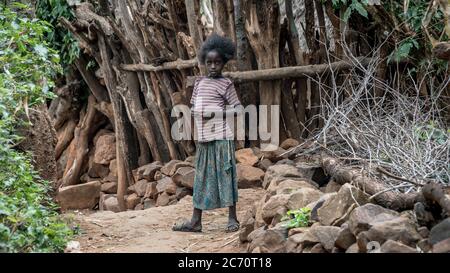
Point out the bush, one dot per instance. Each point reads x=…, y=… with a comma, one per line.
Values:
x=29, y=221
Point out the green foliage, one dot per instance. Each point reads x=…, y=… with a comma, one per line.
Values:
x=60, y=38
x=28, y=218
x=432, y=132
x=351, y=7
x=298, y=218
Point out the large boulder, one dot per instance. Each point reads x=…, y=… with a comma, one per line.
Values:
x=105, y=149
x=264, y=164
x=273, y=152
x=184, y=176
x=345, y=238
x=280, y=170
x=440, y=232
x=151, y=191
x=166, y=185
x=132, y=200
x=82, y=196
x=336, y=210
x=326, y=235
x=246, y=157
x=362, y=218
x=248, y=176
x=109, y=202
x=97, y=170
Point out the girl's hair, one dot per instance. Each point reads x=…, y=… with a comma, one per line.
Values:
x=224, y=46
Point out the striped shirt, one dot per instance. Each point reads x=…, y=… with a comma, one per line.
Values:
x=213, y=95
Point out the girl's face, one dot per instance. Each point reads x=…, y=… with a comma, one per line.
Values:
x=214, y=64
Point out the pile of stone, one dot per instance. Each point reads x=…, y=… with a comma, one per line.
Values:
x=156, y=184
x=342, y=218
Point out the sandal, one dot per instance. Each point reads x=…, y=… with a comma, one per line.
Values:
x=186, y=227
x=233, y=227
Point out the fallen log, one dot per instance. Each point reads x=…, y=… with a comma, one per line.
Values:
x=178, y=64
x=382, y=194
x=433, y=192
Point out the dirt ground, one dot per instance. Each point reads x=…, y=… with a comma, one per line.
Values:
x=150, y=231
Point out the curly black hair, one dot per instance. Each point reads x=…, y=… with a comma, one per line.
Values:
x=223, y=45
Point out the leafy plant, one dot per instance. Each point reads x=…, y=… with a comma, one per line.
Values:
x=298, y=218
x=29, y=221
x=351, y=7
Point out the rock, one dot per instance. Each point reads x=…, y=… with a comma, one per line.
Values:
x=337, y=208
x=140, y=187
x=255, y=233
x=269, y=241
x=139, y=206
x=247, y=226
x=332, y=186
x=264, y=164
x=314, y=206
x=109, y=187
x=182, y=192
x=73, y=247
x=289, y=143
x=400, y=229
x=246, y=157
x=326, y=235
x=442, y=246
x=286, y=161
x=179, y=165
x=81, y=196
x=158, y=176
x=166, y=185
x=184, y=176
x=132, y=200
x=190, y=159
x=113, y=167
x=259, y=221
x=298, y=230
x=302, y=197
x=110, y=178
x=111, y=204
x=353, y=249
x=167, y=168
x=276, y=205
x=362, y=218
x=424, y=245
x=149, y=203
x=424, y=232
x=151, y=191
x=311, y=171
x=147, y=172
x=248, y=176
x=318, y=248
x=282, y=170
x=163, y=200
x=97, y=170
x=273, y=152
x=288, y=186
x=105, y=149
x=345, y=238
x=440, y=232
x=391, y=246
x=423, y=216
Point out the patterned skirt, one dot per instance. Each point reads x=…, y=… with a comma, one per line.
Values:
x=215, y=182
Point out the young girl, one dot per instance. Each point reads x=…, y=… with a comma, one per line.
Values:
x=215, y=183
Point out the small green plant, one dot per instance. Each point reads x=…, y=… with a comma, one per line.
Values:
x=298, y=218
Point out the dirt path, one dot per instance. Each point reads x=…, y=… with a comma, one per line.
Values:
x=150, y=230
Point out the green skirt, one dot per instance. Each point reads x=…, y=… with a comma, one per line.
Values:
x=215, y=182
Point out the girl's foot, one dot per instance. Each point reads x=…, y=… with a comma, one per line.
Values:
x=187, y=226
x=233, y=225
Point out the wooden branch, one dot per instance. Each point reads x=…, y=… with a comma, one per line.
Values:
x=383, y=196
x=178, y=64
x=65, y=137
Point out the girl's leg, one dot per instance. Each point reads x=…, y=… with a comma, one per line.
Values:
x=233, y=223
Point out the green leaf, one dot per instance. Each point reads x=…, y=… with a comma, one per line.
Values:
x=360, y=8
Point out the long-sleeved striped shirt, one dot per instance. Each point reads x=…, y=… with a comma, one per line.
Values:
x=213, y=95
